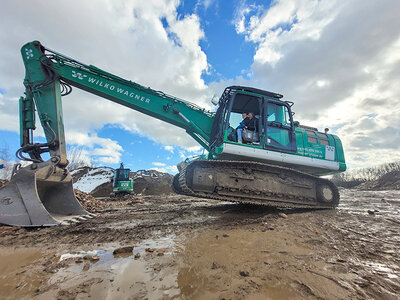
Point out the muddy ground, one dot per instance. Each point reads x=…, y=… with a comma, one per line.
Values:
x=188, y=248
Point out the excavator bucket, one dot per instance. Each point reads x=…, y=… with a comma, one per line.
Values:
x=40, y=195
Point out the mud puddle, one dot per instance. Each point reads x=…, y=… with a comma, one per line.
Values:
x=385, y=204
x=17, y=277
x=146, y=271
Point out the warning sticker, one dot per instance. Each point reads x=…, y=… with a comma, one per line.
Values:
x=330, y=152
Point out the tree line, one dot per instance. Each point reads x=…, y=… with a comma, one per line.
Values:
x=354, y=177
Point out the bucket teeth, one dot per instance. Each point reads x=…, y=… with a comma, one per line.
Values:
x=74, y=220
x=39, y=196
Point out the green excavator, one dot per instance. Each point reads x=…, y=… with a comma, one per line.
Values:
x=122, y=184
x=278, y=164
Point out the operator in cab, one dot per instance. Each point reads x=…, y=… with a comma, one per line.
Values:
x=242, y=126
x=252, y=122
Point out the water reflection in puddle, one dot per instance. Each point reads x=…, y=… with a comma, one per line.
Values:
x=117, y=276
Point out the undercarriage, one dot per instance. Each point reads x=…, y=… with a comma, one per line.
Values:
x=255, y=183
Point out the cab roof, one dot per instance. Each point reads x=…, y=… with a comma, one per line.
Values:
x=254, y=90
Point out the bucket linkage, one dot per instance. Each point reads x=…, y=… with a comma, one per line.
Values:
x=40, y=194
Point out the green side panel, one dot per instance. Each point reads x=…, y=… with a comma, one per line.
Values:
x=321, y=146
x=314, y=150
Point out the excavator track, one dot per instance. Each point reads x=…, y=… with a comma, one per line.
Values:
x=255, y=183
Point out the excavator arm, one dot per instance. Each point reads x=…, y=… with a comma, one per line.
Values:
x=41, y=194
x=50, y=75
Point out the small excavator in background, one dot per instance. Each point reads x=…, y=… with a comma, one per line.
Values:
x=122, y=184
x=278, y=165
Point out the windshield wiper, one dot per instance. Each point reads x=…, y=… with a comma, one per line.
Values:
x=275, y=123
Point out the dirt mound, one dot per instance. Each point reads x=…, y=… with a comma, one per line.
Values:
x=388, y=181
x=145, y=182
x=103, y=190
x=90, y=203
x=151, y=182
x=98, y=181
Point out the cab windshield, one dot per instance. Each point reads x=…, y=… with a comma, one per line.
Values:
x=122, y=175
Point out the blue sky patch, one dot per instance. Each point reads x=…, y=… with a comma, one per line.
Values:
x=227, y=52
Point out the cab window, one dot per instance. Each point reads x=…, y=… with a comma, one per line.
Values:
x=278, y=126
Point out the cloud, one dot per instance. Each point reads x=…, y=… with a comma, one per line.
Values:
x=241, y=14
x=126, y=38
x=167, y=169
x=339, y=62
x=205, y=4
x=159, y=164
x=169, y=148
x=101, y=150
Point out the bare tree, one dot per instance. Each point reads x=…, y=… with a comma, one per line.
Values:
x=76, y=157
x=355, y=177
x=5, y=157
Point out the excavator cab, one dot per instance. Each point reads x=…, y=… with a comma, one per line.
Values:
x=274, y=128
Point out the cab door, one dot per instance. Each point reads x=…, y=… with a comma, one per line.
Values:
x=278, y=126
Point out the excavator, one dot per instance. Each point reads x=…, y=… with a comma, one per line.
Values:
x=278, y=164
x=122, y=184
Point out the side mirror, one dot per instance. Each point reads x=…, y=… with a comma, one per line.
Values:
x=296, y=123
x=215, y=100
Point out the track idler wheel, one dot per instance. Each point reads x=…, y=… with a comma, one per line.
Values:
x=328, y=194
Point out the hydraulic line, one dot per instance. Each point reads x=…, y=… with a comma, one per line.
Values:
x=35, y=150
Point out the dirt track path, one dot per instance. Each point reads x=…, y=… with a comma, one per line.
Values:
x=189, y=248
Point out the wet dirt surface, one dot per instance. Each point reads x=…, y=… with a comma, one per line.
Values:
x=187, y=248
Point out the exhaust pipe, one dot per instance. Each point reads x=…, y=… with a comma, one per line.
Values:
x=40, y=194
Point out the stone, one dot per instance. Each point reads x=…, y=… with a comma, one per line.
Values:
x=244, y=273
x=121, y=250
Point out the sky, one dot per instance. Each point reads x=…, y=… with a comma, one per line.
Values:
x=338, y=61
